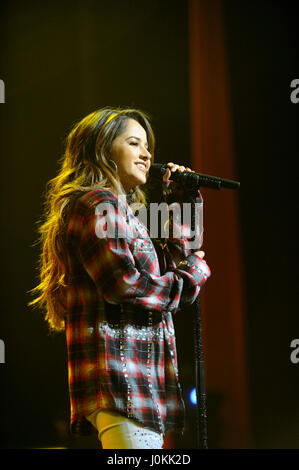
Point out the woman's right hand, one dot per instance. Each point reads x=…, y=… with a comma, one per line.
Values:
x=201, y=254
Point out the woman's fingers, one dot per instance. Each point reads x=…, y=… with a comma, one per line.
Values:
x=172, y=167
x=175, y=167
x=166, y=175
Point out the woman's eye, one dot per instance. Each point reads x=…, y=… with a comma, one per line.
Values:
x=133, y=143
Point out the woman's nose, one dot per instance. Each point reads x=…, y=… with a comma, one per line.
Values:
x=146, y=155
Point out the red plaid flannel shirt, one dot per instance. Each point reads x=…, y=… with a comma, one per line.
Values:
x=121, y=294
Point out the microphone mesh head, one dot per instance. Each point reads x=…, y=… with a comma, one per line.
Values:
x=157, y=170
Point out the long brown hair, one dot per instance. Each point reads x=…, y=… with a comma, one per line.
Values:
x=85, y=166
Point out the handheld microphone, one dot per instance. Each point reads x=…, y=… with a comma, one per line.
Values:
x=192, y=180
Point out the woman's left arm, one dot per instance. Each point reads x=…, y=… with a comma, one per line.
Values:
x=110, y=263
x=181, y=241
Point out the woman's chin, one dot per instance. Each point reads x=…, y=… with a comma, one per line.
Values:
x=138, y=181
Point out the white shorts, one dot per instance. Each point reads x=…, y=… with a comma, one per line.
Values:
x=119, y=432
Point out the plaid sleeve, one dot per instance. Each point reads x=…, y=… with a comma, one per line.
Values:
x=110, y=260
x=176, y=251
x=182, y=240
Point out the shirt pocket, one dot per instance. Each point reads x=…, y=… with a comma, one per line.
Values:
x=142, y=245
x=145, y=255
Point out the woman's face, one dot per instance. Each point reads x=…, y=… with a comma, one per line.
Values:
x=130, y=153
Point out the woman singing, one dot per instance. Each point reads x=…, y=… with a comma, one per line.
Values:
x=111, y=287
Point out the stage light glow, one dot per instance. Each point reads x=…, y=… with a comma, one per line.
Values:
x=192, y=396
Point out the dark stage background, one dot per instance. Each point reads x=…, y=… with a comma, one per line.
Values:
x=61, y=60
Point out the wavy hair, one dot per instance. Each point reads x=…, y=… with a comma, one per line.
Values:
x=85, y=166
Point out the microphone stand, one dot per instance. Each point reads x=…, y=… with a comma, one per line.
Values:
x=200, y=380
x=191, y=185
x=201, y=396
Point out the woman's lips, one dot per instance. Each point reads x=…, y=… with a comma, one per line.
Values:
x=141, y=167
